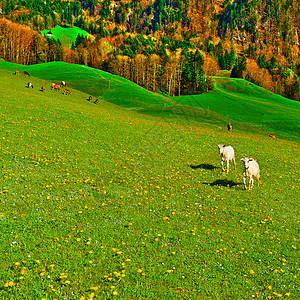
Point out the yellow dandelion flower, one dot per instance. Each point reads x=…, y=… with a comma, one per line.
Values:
x=169, y=271
x=115, y=293
x=140, y=270
x=78, y=239
x=95, y=288
x=90, y=262
x=82, y=298
x=67, y=282
x=112, y=287
x=252, y=272
x=21, y=277
x=11, y=283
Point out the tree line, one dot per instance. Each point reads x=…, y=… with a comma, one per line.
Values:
x=166, y=35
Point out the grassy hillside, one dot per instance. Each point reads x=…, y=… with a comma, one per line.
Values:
x=247, y=106
x=94, y=82
x=67, y=35
x=98, y=201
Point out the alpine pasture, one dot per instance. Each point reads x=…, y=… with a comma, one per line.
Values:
x=67, y=34
x=129, y=201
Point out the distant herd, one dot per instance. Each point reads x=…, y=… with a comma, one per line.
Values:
x=54, y=86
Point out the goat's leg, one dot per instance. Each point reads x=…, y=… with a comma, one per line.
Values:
x=245, y=183
x=250, y=182
x=222, y=165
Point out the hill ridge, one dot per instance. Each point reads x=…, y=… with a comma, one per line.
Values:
x=249, y=109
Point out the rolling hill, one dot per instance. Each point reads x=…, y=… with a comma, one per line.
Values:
x=247, y=106
x=101, y=201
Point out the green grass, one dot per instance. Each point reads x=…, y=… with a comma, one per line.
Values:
x=94, y=82
x=97, y=199
x=249, y=107
x=67, y=35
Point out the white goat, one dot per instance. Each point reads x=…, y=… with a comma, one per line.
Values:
x=251, y=169
x=227, y=154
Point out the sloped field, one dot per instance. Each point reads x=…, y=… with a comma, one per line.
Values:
x=67, y=35
x=98, y=201
x=247, y=105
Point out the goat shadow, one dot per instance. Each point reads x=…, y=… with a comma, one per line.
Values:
x=223, y=182
x=204, y=166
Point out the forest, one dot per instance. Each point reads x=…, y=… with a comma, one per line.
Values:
x=168, y=46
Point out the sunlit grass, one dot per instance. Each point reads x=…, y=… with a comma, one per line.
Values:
x=102, y=202
x=67, y=35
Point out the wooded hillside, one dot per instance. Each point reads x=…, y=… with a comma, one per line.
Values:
x=169, y=46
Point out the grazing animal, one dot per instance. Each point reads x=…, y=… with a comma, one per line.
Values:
x=227, y=154
x=26, y=73
x=43, y=89
x=30, y=85
x=89, y=98
x=17, y=72
x=67, y=92
x=229, y=127
x=272, y=136
x=63, y=83
x=96, y=101
x=251, y=169
x=56, y=87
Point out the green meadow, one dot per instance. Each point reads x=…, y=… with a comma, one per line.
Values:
x=67, y=35
x=126, y=199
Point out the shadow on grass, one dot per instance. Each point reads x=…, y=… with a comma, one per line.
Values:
x=204, y=166
x=223, y=182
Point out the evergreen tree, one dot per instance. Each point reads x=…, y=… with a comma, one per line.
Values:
x=222, y=62
x=239, y=68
